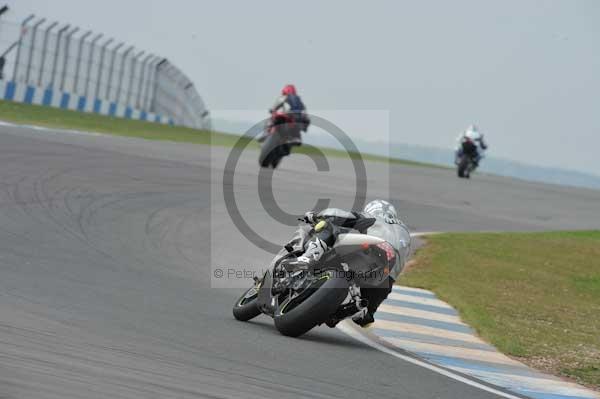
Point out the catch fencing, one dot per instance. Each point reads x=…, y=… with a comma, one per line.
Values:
x=60, y=65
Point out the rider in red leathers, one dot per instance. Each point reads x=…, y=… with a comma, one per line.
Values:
x=288, y=108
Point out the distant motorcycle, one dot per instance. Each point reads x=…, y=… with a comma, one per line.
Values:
x=282, y=133
x=328, y=292
x=467, y=159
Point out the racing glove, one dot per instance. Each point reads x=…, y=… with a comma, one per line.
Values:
x=310, y=217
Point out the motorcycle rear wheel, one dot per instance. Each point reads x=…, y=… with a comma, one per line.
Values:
x=278, y=154
x=294, y=317
x=462, y=167
x=275, y=162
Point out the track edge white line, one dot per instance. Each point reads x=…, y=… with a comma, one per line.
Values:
x=356, y=332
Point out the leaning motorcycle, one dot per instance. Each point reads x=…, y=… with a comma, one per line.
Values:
x=328, y=292
x=467, y=159
x=281, y=134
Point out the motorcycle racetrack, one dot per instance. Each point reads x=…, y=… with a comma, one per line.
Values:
x=108, y=260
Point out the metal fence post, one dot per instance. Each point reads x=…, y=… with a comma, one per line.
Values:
x=79, y=58
x=3, y=56
x=33, y=36
x=142, y=76
x=177, y=83
x=112, y=68
x=163, y=62
x=120, y=85
x=150, y=82
x=90, y=61
x=44, y=51
x=9, y=49
x=20, y=45
x=101, y=65
x=181, y=82
x=57, y=53
x=132, y=75
x=172, y=82
x=67, y=48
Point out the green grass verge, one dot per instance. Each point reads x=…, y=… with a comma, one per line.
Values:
x=66, y=119
x=532, y=295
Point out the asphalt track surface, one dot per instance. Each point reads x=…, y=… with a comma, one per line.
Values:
x=108, y=248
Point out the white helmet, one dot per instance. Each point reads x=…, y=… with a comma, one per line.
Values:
x=381, y=209
x=473, y=133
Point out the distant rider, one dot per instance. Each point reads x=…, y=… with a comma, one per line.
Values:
x=470, y=142
x=378, y=218
x=288, y=107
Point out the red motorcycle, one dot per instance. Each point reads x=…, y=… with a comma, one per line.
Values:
x=283, y=131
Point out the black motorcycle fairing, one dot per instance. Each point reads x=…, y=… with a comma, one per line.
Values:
x=301, y=299
x=366, y=267
x=279, y=143
x=469, y=148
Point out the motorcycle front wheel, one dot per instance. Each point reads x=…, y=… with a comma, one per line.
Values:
x=462, y=167
x=297, y=315
x=280, y=152
x=245, y=307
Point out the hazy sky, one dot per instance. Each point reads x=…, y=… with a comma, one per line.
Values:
x=527, y=72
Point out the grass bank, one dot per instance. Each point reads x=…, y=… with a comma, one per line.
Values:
x=65, y=119
x=26, y=114
x=535, y=296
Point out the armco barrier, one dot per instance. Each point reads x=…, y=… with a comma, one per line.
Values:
x=27, y=94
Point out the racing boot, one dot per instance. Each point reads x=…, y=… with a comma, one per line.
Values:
x=364, y=319
x=374, y=296
x=315, y=249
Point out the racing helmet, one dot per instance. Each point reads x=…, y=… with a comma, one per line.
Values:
x=288, y=90
x=381, y=209
x=473, y=135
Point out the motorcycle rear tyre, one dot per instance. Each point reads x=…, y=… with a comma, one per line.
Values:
x=315, y=310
